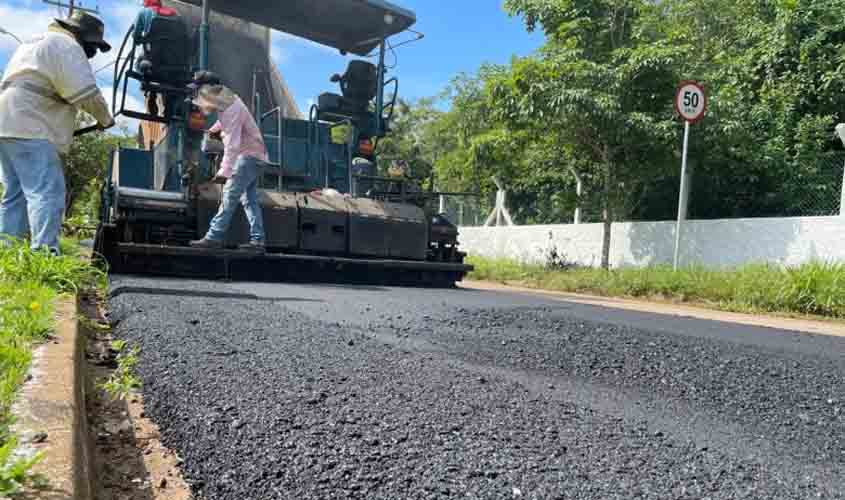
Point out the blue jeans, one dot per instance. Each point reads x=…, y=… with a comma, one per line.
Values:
x=34, y=191
x=241, y=187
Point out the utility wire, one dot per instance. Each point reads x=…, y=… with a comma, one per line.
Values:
x=109, y=65
x=4, y=32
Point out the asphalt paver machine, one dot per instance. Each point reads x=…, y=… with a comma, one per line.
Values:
x=329, y=216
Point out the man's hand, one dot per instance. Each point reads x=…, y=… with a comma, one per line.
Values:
x=219, y=179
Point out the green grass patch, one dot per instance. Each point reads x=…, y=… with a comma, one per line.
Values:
x=30, y=283
x=65, y=274
x=123, y=380
x=816, y=288
x=26, y=317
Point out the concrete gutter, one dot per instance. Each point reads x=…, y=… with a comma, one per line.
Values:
x=831, y=328
x=53, y=403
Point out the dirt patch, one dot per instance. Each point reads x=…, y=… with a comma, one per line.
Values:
x=130, y=462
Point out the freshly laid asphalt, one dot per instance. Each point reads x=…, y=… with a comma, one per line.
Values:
x=333, y=392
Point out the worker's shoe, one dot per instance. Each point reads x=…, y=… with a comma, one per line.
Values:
x=206, y=243
x=253, y=246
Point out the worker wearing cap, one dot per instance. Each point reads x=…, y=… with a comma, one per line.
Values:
x=243, y=149
x=46, y=82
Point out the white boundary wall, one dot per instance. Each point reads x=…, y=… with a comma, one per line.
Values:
x=712, y=243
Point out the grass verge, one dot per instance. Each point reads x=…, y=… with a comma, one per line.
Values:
x=816, y=289
x=30, y=282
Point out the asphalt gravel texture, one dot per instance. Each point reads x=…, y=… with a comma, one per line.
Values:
x=332, y=392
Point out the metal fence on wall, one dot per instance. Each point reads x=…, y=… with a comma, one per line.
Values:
x=470, y=211
x=815, y=190
x=819, y=190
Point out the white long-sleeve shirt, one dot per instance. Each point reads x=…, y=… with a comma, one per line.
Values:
x=45, y=83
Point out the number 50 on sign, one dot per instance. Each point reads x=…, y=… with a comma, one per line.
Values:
x=691, y=101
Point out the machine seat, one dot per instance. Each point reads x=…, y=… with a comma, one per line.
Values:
x=334, y=108
x=166, y=57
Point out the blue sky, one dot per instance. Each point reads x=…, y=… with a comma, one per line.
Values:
x=460, y=36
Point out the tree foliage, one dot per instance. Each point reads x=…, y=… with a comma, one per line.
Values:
x=413, y=140
x=596, y=102
x=602, y=88
x=85, y=168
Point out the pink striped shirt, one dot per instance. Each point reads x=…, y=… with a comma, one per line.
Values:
x=241, y=137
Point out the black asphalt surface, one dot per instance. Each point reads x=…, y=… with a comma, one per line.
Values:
x=331, y=392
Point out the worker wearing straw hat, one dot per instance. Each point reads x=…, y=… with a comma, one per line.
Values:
x=243, y=149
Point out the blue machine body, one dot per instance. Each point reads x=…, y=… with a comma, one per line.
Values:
x=327, y=215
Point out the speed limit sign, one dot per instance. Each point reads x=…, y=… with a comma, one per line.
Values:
x=691, y=101
x=691, y=104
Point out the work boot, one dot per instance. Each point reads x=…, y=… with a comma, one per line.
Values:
x=206, y=243
x=253, y=246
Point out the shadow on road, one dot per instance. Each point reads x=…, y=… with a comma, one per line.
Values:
x=207, y=294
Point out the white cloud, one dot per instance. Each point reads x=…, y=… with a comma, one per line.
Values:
x=24, y=22
x=306, y=107
x=122, y=16
x=34, y=18
x=118, y=19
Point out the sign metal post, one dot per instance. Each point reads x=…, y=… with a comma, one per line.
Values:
x=691, y=104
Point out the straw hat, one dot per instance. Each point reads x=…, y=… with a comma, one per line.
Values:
x=204, y=77
x=216, y=97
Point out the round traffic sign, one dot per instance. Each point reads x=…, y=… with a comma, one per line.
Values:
x=691, y=101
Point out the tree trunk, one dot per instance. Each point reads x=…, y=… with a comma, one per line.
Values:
x=69, y=201
x=607, y=216
x=605, y=244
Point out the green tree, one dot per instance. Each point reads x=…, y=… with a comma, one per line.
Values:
x=596, y=102
x=85, y=167
x=602, y=87
x=477, y=145
x=410, y=138
x=772, y=71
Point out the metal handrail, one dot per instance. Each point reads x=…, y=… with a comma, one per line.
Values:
x=280, y=138
x=352, y=133
x=274, y=110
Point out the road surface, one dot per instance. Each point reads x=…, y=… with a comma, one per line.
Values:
x=334, y=392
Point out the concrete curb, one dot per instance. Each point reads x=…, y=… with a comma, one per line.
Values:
x=833, y=329
x=53, y=402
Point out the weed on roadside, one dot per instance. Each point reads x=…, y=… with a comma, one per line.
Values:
x=92, y=325
x=15, y=474
x=123, y=381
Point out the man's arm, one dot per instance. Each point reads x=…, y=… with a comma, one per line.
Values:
x=74, y=81
x=96, y=106
x=216, y=131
